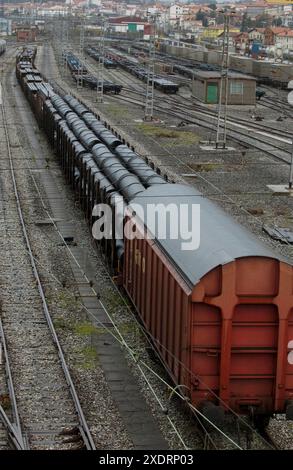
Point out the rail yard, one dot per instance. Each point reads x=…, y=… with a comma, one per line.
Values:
x=130, y=342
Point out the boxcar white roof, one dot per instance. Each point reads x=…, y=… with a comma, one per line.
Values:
x=222, y=239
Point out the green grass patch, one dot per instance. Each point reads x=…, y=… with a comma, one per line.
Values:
x=65, y=299
x=117, y=110
x=128, y=328
x=89, y=358
x=87, y=329
x=113, y=299
x=202, y=166
x=177, y=137
x=62, y=323
x=5, y=402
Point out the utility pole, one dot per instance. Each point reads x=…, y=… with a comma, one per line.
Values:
x=69, y=25
x=224, y=86
x=149, y=99
x=58, y=38
x=290, y=101
x=100, y=77
x=81, y=52
x=64, y=44
x=32, y=14
x=67, y=43
x=290, y=186
x=2, y=9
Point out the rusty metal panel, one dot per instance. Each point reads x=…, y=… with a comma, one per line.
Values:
x=166, y=300
x=139, y=273
x=167, y=313
x=240, y=334
x=159, y=299
x=149, y=281
x=154, y=297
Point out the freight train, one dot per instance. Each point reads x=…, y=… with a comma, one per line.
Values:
x=95, y=54
x=74, y=64
x=267, y=72
x=220, y=316
x=140, y=72
x=81, y=74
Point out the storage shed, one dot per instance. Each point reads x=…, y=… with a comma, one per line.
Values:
x=206, y=88
x=26, y=33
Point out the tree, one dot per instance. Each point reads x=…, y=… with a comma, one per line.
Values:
x=246, y=23
x=200, y=15
x=220, y=18
x=205, y=22
x=277, y=21
x=213, y=6
x=262, y=21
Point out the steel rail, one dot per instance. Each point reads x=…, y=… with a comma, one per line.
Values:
x=13, y=428
x=89, y=443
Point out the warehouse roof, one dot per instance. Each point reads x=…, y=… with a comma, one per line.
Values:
x=212, y=74
x=222, y=239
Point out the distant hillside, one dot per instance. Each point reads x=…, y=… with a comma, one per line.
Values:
x=35, y=1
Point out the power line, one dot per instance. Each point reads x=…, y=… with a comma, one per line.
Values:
x=101, y=62
x=149, y=97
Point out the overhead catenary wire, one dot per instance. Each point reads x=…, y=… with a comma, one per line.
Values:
x=87, y=280
x=68, y=248
x=231, y=200
x=200, y=176
x=116, y=329
x=197, y=173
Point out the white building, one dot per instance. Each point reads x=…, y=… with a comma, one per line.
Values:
x=285, y=40
x=175, y=12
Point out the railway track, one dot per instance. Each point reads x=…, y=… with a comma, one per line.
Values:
x=243, y=133
x=277, y=105
x=50, y=414
x=268, y=446
x=262, y=140
x=270, y=440
x=183, y=104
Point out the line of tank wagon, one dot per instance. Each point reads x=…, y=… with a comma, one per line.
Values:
x=221, y=316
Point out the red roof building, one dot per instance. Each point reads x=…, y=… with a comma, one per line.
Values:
x=271, y=34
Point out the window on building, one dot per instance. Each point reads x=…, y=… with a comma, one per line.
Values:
x=236, y=88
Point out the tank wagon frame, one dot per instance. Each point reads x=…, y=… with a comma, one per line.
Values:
x=80, y=72
x=266, y=72
x=140, y=72
x=94, y=53
x=220, y=317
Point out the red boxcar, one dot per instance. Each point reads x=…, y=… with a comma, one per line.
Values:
x=221, y=316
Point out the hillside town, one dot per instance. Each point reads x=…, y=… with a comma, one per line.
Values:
x=263, y=22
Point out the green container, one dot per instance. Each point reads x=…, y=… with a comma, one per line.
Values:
x=212, y=93
x=132, y=27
